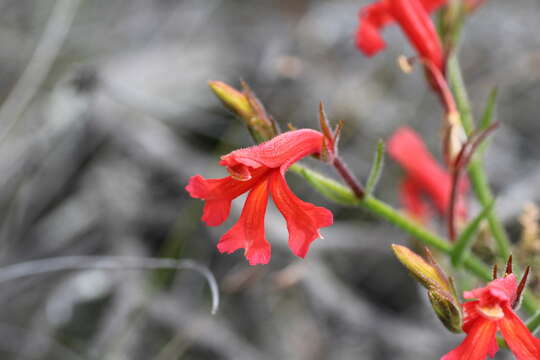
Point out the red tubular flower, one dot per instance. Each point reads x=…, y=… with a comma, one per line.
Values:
x=260, y=170
x=492, y=311
x=412, y=16
x=424, y=176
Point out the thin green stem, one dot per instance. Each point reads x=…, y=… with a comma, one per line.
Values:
x=460, y=92
x=343, y=195
x=337, y=192
x=477, y=174
x=413, y=228
x=479, y=181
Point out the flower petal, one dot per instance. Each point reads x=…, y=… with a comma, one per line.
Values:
x=411, y=198
x=372, y=18
x=215, y=212
x=480, y=342
x=432, y=5
x=280, y=152
x=518, y=337
x=218, y=194
x=408, y=149
x=497, y=292
x=415, y=22
x=303, y=219
x=248, y=232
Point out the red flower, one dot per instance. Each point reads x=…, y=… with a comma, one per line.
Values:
x=492, y=311
x=412, y=16
x=424, y=176
x=260, y=170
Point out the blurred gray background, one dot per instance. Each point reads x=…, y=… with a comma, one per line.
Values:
x=105, y=114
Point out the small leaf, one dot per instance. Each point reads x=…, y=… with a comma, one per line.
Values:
x=376, y=168
x=487, y=116
x=464, y=240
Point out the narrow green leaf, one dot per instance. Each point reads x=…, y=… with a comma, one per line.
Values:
x=534, y=322
x=464, y=240
x=376, y=168
x=487, y=117
x=329, y=188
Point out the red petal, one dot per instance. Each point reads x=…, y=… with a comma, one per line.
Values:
x=215, y=212
x=479, y=343
x=417, y=25
x=218, y=194
x=248, y=232
x=303, y=219
x=372, y=18
x=280, y=152
x=518, y=337
x=368, y=39
x=432, y=5
x=411, y=198
x=408, y=149
x=471, y=315
x=413, y=19
x=497, y=292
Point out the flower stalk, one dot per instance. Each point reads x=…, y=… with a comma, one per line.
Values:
x=476, y=171
x=343, y=195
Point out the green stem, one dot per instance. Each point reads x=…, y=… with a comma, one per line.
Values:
x=460, y=92
x=481, y=188
x=418, y=231
x=477, y=174
x=343, y=195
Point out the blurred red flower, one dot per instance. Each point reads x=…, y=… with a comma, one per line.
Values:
x=260, y=170
x=413, y=18
x=492, y=311
x=424, y=176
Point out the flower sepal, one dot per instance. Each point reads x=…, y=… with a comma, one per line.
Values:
x=329, y=148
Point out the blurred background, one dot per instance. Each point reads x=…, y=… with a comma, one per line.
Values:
x=105, y=113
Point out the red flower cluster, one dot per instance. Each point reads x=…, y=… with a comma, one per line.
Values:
x=260, y=170
x=492, y=311
x=413, y=17
x=424, y=176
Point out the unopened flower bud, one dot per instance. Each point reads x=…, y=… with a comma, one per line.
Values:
x=233, y=99
x=441, y=292
x=246, y=106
